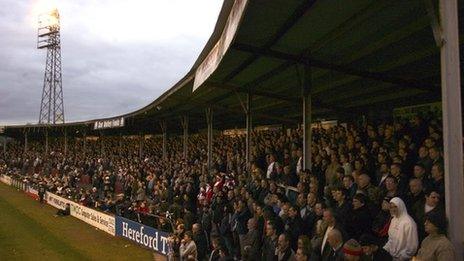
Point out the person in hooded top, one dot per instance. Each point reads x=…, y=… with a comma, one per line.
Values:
x=402, y=235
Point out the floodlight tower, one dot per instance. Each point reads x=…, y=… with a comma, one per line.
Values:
x=48, y=36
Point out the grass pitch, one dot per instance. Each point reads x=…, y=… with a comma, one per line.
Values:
x=29, y=231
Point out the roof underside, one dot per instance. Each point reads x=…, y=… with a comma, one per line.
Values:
x=361, y=55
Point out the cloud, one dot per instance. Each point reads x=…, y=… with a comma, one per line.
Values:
x=117, y=55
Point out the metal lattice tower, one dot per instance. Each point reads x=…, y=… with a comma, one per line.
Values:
x=52, y=105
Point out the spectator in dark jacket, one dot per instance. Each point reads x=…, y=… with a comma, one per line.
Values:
x=415, y=194
x=350, y=186
x=225, y=228
x=293, y=226
x=284, y=252
x=332, y=223
x=270, y=242
x=289, y=177
x=251, y=241
x=335, y=244
x=200, y=239
x=309, y=218
x=360, y=220
x=396, y=171
x=438, y=181
x=263, y=190
x=342, y=206
x=216, y=246
x=240, y=219
x=420, y=172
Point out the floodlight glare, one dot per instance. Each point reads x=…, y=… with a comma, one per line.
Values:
x=49, y=28
x=50, y=19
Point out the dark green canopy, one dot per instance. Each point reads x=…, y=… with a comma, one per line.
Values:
x=364, y=57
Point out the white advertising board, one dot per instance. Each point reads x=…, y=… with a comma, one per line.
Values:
x=107, y=124
x=97, y=219
x=56, y=201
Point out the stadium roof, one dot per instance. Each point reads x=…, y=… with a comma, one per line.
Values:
x=364, y=55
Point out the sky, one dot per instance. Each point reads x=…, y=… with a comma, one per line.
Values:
x=117, y=55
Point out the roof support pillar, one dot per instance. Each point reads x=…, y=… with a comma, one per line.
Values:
x=4, y=147
x=249, y=128
x=209, y=122
x=436, y=29
x=452, y=124
x=164, y=129
x=184, y=122
x=306, y=100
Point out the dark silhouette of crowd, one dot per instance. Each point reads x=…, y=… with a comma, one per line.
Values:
x=375, y=191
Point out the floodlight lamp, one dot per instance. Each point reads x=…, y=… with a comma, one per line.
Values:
x=49, y=19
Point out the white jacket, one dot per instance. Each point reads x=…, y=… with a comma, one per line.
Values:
x=187, y=250
x=402, y=234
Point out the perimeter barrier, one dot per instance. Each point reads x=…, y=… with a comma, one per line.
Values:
x=20, y=185
x=146, y=236
x=143, y=235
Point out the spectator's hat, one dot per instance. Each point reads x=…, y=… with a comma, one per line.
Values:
x=352, y=248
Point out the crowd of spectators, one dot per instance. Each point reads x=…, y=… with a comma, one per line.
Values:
x=374, y=191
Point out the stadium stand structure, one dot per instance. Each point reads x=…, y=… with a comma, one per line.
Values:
x=294, y=62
